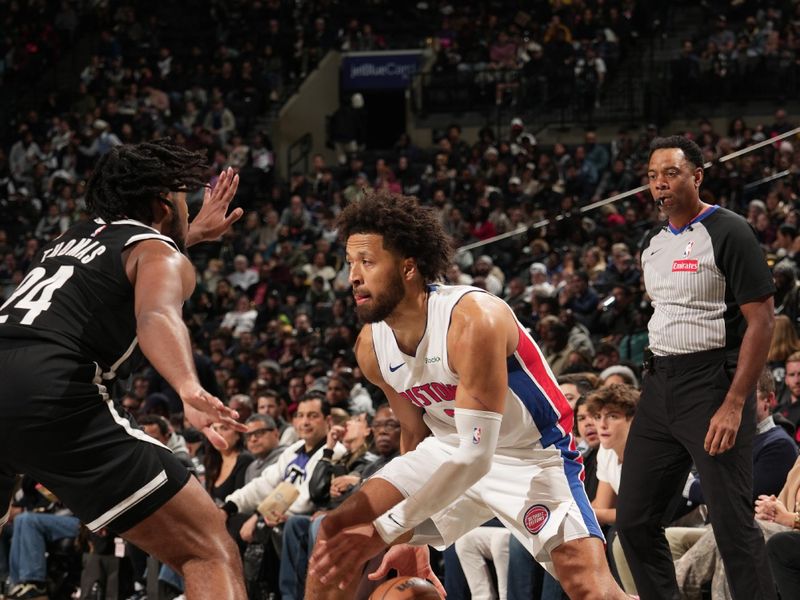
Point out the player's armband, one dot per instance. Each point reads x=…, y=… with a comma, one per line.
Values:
x=478, y=432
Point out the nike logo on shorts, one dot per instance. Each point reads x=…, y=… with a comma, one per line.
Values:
x=391, y=516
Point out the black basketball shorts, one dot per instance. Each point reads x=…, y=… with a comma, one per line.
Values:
x=59, y=426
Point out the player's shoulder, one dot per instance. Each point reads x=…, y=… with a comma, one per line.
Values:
x=364, y=347
x=479, y=311
x=365, y=355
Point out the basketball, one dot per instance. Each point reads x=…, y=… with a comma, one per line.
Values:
x=406, y=588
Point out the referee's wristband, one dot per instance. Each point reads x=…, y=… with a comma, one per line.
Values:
x=389, y=528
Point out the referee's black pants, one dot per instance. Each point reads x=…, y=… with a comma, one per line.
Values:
x=679, y=397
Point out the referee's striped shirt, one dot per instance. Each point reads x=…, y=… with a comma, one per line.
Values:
x=697, y=277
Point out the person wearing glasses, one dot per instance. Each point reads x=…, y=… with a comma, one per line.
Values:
x=263, y=442
x=300, y=532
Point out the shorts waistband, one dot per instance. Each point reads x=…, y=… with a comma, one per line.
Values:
x=691, y=359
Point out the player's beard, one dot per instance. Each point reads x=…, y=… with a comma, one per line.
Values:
x=176, y=232
x=381, y=305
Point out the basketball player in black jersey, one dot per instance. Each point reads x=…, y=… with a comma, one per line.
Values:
x=91, y=298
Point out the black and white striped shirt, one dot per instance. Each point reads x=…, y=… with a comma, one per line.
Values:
x=697, y=277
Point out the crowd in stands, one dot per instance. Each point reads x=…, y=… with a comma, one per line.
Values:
x=272, y=317
x=746, y=49
x=550, y=53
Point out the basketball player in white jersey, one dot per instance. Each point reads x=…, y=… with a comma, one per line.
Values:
x=454, y=362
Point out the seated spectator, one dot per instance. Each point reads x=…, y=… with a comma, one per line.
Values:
x=555, y=343
x=243, y=277
x=294, y=465
x=613, y=408
x=241, y=319
x=780, y=530
x=37, y=518
x=789, y=399
x=579, y=297
x=263, y=443
x=330, y=483
x=303, y=530
x=225, y=469
x=159, y=428
x=784, y=343
x=540, y=286
x=242, y=404
x=338, y=393
x=618, y=374
x=268, y=402
x=484, y=268
x=586, y=431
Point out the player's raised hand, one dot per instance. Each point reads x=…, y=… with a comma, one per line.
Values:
x=202, y=409
x=213, y=219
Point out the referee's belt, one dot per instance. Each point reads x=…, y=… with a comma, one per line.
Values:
x=681, y=361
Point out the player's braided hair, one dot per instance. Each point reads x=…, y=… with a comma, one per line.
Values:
x=129, y=177
x=411, y=230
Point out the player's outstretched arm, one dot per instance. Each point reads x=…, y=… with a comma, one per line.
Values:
x=162, y=278
x=213, y=219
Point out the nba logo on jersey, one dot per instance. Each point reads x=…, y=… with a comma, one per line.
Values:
x=536, y=518
x=688, y=249
x=476, y=435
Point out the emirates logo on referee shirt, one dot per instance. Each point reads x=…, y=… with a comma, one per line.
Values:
x=684, y=266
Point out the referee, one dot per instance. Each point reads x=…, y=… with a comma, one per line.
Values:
x=711, y=292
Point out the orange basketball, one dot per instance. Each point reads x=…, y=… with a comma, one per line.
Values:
x=406, y=588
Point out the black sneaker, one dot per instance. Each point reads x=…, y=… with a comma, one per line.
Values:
x=29, y=590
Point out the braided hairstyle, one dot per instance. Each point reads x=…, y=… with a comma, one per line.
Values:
x=127, y=179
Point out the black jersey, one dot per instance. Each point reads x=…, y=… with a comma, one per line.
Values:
x=78, y=295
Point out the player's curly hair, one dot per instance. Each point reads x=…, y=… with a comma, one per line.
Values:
x=411, y=230
x=129, y=177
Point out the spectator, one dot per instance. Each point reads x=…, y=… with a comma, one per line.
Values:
x=38, y=519
x=243, y=276
x=789, y=400
x=159, y=428
x=269, y=403
x=784, y=343
x=294, y=465
x=613, y=408
x=262, y=440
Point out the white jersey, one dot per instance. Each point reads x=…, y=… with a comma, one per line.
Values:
x=536, y=413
